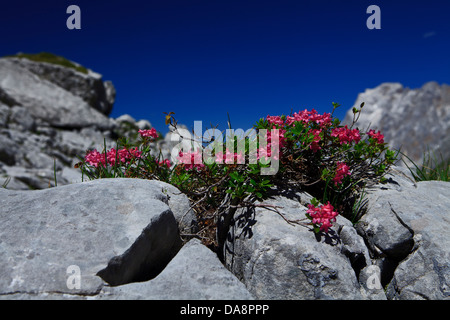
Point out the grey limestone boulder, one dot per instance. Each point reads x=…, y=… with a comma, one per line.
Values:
x=413, y=119
x=407, y=233
x=115, y=231
x=47, y=102
x=90, y=86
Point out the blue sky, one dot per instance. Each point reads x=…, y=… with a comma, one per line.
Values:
x=250, y=58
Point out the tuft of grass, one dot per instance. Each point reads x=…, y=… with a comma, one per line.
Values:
x=432, y=167
x=50, y=58
x=8, y=179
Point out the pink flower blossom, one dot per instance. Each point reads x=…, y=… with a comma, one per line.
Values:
x=281, y=137
x=315, y=143
x=95, y=158
x=229, y=157
x=322, y=216
x=275, y=120
x=377, y=136
x=152, y=133
x=341, y=171
x=346, y=135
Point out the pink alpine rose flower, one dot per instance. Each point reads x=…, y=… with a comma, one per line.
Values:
x=191, y=159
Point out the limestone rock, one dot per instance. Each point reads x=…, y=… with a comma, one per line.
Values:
x=407, y=233
x=99, y=94
x=194, y=274
x=46, y=101
x=411, y=119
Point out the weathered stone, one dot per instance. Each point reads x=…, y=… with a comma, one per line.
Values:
x=415, y=120
x=405, y=227
x=277, y=260
x=114, y=230
x=22, y=119
x=7, y=154
x=181, y=208
x=144, y=125
x=5, y=112
x=45, y=101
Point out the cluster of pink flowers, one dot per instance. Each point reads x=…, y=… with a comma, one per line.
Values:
x=322, y=215
x=310, y=116
x=191, y=159
x=275, y=120
x=315, y=143
x=95, y=158
x=152, y=133
x=377, y=136
x=341, y=171
x=346, y=135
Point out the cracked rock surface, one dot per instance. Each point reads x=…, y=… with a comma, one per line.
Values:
x=399, y=249
x=277, y=260
x=422, y=211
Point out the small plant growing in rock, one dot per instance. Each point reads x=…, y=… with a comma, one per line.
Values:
x=314, y=153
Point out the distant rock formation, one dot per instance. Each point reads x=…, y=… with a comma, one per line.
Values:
x=414, y=120
x=49, y=116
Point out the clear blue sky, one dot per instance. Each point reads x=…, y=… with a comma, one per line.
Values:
x=204, y=58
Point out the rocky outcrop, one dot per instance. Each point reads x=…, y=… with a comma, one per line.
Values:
x=111, y=234
x=49, y=116
x=415, y=120
x=54, y=95
x=194, y=274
